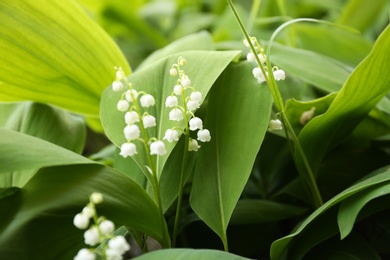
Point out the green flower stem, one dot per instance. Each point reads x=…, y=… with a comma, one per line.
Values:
x=183, y=166
x=154, y=179
x=306, y=175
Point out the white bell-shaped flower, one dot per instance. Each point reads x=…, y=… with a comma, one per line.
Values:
x=171, y=135
x=185, y=81
x=96, y=197
x=193, y=145
x=85, y=254
x=117, y=86
x=195, y=123
x=147, y=100
x=106, y=227
x=279, y=75
x=204, y=135
x=171, y=101
x=250, y=57
x=176, y=114
x=81, y=221
x=131, y=132
x=158, y=148
x=91, y=236
x=275, y=125
x=177, y=89
x=192, y=105
x=128, y=149
x=119, y=243
x=123, y=105
x=173, y=72
x=131, y=95
x=131, y=117
x=88, y=211
x=196, y=96
x=149, y=121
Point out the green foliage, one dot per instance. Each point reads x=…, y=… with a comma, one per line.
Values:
x=245, y=190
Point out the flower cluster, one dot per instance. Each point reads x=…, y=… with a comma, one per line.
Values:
x=191, y=99
x=136, y=122
x=257, y=72
x=98, y=232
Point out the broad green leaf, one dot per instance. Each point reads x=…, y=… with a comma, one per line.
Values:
x=14, y=145
x=237, y=116
x=362, y=91
x=249, y=211
x=189, y=254
x=45, y=122
x=337, y=43
x=37, y=221
x=350, y=207
x=52, y=52
x=311, y=67
x=203, y=68
x=201, y=41
x=361, y=14
x=281, y=246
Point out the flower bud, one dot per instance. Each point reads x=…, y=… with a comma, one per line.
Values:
x=96, y=198
x=91, y=236
x=275, y=125
x=107, y=227
x=123, y=105
x=193, y=145
x=81, y=221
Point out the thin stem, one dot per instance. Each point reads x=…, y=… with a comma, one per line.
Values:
x=183, y=167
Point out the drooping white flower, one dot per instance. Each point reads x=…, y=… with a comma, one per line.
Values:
x=250, y=57
x=257, y=73
x=171, y=135
x=131, y=117
x=123, y=105
x=119, y=243
x=173, y=72
x=182, y=61
x=279, y=75
x=149, y=121
x=196, y=96
x=113, y=254
x=185, y=81
x=130, y=94
x=96, y=198
x=128, y=149
x=176, y=114
x=91, y=236
x=88, y=211
x=117, y=86
x=192, y=105
x=85, y=254
x=120, y=74
x=131, y=132
x=158, y=148
x=204, y=135
x=177, y=89
x=195, y=123
x=193, y=145
x=246, y=43
x=275, y=125
x=147, y=100
x=81, y=221
x=171, y=101
x=106, y=227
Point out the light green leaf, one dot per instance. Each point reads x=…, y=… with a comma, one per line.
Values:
x=189, y=254
x=310, y=66
x=281, y=246
x=42, y=121
x=37, y=221
x=363, y=90
x=237, y=117
x=350, y=207
x=52, y=52
x=13, y=147
x=203, y=68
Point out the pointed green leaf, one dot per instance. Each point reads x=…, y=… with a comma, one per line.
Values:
x=203, y=68
x=281, y=246
x=37, y=221
x=363, y=90
x=189, y=254
x=237, y=117
x=42, y=121
x=52, y=52
x=350, y=207
x=13, y=147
